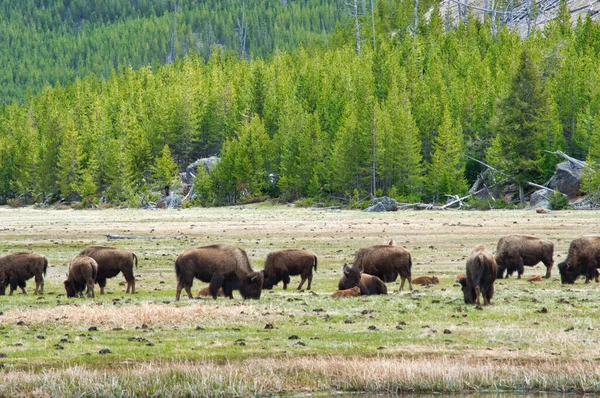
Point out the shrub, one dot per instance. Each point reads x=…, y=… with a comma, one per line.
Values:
x=558, y=201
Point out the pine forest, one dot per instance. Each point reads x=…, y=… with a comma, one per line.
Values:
x=300, y=100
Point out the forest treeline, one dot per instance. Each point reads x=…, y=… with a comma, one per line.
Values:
x=317, y=122
x=55, y=41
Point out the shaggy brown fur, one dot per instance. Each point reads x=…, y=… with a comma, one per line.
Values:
x=111, y=261
x=281, y=264
x=481, y=274
x=205, y=292
x=17, y=268
x=515, y=251
x=583, y=259
x=385, y=262
x=426, y=280
x=352, y=292
x=368, y=284
x=535, y=278
x=224, y=266
x=82, y=274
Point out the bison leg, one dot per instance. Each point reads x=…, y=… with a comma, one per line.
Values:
x=39, y=284
x=310, y=276
x=215, y=284
x=404, y=278
x=489, y=293
x=520, y=268
x=180, y=286
x=227, y=290
x=128, y=274
x=477, y=294
x=548, y=269
x=285, y=277
x=102, y=284
x=90, y=289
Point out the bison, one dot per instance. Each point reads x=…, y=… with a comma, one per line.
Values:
x=281, y=264
x=368, y=284
x=352, y=292
x=224, y=266
x=205, y=292
x=17, y=268
x=515, y=251
x=82, y=274
x=481, y=274
x=426, y=280
x=583, y=259
x=386, y=262
x=111, y=261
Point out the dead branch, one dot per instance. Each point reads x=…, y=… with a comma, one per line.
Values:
x=577, y=162
x=115, y=236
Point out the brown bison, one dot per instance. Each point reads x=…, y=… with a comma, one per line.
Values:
x=205, y=292
x=583, y=259
x=481, y=274
x=281, y=264
x=534, y=278
x=386, y=262
x=111, y=261
x=426, y=280
x=515, y=251
x=224, y=266
x=352, y=292
x=17, y=268
x=368, y=284
x=82, y=274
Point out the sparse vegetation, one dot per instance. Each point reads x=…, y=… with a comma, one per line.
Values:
x=534, y=337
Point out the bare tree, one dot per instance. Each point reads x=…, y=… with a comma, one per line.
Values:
x=241, y=31
x=171, y=56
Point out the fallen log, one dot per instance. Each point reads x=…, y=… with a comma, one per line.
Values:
x=115, y=236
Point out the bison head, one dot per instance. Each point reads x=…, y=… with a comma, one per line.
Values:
x=71, y=289
x=269, y=280
x=352, y=276
x=251, y=285
x=568, y=273
x=468, y=292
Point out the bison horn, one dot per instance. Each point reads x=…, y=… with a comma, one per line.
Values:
x=253, y=278
x=568, y=265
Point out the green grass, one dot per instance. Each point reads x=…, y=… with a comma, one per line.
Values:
x=534, y=337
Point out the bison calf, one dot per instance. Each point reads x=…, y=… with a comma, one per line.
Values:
x=224, y=266
x=205, y=292
x=111, y=261
x=17, y=268
x=426, y=280
x=385, y=262
x=352, y=292
x=82, y=274
x=583, y=259
x=515, y=251
x=368, y=284
x=480, y=277
x=280, y=265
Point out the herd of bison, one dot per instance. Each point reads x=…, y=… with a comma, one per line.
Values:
x=227, y=268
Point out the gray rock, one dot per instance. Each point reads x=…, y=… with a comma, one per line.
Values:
x=538, y=197
x=379, y=207
x=389, y=203
x=192, y=170
x=566, y=179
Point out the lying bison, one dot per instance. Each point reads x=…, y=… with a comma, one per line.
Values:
x=352, y=292
x=205, y=292
x=386, y=262
x=224, y=266
x=368, y=284
x=17, y=268
x=515, y=251
x=82, y=274
x=111, y=261
x=583, y=259
x=426, y=280
x=281, y=264
x=480, y=277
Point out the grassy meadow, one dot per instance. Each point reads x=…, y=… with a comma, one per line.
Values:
x=535, y=337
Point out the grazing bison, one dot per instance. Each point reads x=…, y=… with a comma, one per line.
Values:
x=281, y=264
x=368, y=284
x=17, y=268
x=385, y=262
x=515, y=251
x=205, y=292
x=224, y=266
x=481, y=274
x=426, y=280
x=111, y=261
x=82, y=274
x=583, y=259
x=352, y=292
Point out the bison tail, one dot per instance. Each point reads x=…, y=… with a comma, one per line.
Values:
x=135, y=259
x=45, y=265
x=177, y=268
x=94, y=273
x=315, y=263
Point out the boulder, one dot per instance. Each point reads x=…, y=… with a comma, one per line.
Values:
x=192, y=170
x=539, y=198
x=383, y=203
x=566, y=179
